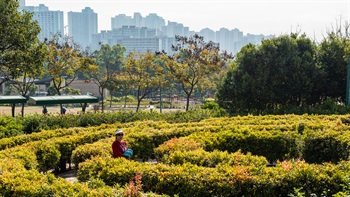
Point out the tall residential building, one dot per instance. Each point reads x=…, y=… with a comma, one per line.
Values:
x=174, y=28
x=122, y=20
x=50, y=22
x=22, y=4
x=141, y=45
x=208, y=35
x=132, y=38
x=154, y=21
x=150, y=21
x=82, y=25
x=138, y=20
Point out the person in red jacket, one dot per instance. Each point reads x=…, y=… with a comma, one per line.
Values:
x=119, y=146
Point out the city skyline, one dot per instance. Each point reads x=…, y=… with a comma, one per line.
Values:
x=314, y=17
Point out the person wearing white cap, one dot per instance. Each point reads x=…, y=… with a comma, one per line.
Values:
x=119, y=146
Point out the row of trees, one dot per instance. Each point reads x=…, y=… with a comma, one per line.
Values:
x=23, y=58
x=193, y=64
x=287, y=71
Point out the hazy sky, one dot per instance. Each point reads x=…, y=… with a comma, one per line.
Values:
x=313, y=17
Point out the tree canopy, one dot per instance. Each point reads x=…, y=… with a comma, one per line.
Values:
x=109, y=62
x=194, y=60
x=20, y=49
x=280, y=72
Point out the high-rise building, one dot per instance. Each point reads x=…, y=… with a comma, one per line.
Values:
x=22, y=4
x=122, y=20
x=138, y=20
x=154, y=21
x=174, y=28
x=50, y=22
x=141, y=45
x=82, y=25
x=208, y=35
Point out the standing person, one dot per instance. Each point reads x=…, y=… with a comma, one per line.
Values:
x=44, y=109
x=64, y=110
x=119, y=146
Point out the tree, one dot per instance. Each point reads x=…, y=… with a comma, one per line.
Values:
x=140, y=69
x=333, y=58
x=20, y=49
x=109, y=65
x=163, y=77
x=64, y=61
x=194, y=59
x=280, y=72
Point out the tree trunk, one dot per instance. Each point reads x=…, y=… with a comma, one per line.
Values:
x=125, y=97
x=61, y=107
x=22, y=110
x=138, y=105
x=188, y=101
x=102, y=97
x=160, y=101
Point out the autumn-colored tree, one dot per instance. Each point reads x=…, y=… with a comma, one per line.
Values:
x=193, y=60
x=64, y=61
x=108, y=66
x=140, y=69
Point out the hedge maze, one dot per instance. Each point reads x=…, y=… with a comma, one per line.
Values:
x=286, y=155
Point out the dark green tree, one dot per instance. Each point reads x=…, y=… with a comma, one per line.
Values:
x=332, y=57
x=278, y=73
x=20, y=49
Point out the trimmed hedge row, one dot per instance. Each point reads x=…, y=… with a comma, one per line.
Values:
x=180, y=151
x=15, y=180
x=224, y=180
x=212, y=159
x=54, y=152
x=22, y=139
x=221, y=134
x=326, y=146
x=10, y=126
x=102, y=148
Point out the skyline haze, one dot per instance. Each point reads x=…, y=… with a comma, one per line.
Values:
x=314, y=17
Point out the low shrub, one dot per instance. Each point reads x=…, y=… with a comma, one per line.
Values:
x=223, y=180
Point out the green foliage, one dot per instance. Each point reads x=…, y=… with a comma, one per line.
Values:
x=109, y=62
x=24, y=155
x=32, y=124
x=64, y=61
x=326, y=146
x=21, y=54
x=193, y=61
x=47, y=155
x=281, y=71
x=10, y=127
x=83, y=153
x=224, y=180
x=333, y=58
x=174, y=144
x=140, y=69
x=194, y=158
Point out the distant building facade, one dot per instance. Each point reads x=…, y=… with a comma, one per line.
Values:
x=82, y=25
x=132, y=38
x=50, y=22
x=152, y=21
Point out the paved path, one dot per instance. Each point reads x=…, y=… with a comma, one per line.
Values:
x=69, y=175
